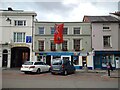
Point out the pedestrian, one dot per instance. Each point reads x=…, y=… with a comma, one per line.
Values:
x=111, y=68
x=108, y=68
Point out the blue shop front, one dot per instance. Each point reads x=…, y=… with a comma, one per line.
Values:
x=101, y=58
x=47, y=57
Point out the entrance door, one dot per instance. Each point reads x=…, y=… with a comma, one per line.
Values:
x=19, y=55
x=84, y=61
x=97, y=62
x=5, y=58
x=48, y=60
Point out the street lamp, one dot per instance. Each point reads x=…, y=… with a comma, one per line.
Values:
x=9, y=20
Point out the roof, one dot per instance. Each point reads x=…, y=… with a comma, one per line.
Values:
x=100, y=19
x=12, y=12
x=116, y=13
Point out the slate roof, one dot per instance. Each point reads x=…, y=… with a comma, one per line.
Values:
x=100, y=19
x=116, y=13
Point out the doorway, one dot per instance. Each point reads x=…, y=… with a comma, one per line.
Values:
x=84, y=61
x=5, y=58
x=19, y=55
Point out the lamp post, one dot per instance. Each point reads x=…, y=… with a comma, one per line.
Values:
x=9, y=43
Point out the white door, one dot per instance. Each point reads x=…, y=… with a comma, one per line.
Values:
x=117, y=59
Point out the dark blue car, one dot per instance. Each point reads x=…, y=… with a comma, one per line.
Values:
x=64, y=67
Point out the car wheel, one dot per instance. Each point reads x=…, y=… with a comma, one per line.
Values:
x=65, y=72
x=26, y=72
x=38, y=71
x=52, y=73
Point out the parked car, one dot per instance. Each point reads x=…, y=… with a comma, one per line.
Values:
x=34, y=66
x=62, y=67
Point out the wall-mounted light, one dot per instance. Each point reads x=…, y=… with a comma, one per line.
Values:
x=8, y=20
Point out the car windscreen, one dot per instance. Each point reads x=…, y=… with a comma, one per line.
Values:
x=28, y=63
x=57, y=62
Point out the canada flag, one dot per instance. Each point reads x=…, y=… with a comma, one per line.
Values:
x=58, y=34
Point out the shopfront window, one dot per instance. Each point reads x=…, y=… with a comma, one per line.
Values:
x=56, y=57
x=106, y=59
x=39, y=58
x=76, y=60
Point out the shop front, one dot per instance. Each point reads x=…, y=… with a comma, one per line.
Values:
x=101, y=59
x=79, y=59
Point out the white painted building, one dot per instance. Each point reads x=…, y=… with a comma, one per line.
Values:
x=105, y=40
x=16, y=32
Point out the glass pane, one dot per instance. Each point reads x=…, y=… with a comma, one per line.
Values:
x=52, y=30
x=19, y=37
x=41, y=30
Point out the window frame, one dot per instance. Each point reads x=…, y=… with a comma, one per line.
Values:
x=20, y=22
x=76, y=30
x=74, y=45
x=41, y=47
x=40, y=30
x=108, y=40
x=17, y=38
x=65, y=33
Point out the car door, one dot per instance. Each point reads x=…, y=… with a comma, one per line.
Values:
x=40, y=65
x=71, y=67
x=45, y=66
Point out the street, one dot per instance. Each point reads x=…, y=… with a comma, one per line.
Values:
x=16, y=79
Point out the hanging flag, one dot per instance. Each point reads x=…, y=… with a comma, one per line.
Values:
x=58, y=34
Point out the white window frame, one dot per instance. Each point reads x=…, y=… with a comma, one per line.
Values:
x=77, y=27
x=44, y=43
x=43, y=31
x=15, y=39
x=50, y=44
x=16, y=22
x=106, y=25
x=67, y=44
x=67, y=31
x=109, y=42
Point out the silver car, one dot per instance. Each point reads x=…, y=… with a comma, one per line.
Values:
x=62, y=67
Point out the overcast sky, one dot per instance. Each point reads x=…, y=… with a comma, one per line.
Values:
x=63, y=10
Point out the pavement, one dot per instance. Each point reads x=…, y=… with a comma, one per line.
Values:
x=113, y=74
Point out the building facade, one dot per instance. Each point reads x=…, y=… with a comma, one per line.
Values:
x=76, y=45
x=105, y=40
x=16, y=37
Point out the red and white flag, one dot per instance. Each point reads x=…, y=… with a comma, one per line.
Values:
x=58, y=34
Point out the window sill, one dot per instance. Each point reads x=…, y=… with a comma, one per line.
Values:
x=107, y=47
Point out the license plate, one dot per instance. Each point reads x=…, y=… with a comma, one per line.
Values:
x=56, y=69
x=25, y=67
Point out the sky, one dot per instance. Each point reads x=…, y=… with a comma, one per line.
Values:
x=63, y=10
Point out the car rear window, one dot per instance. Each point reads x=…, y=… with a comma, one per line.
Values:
x=57, y=63
x=28, y=63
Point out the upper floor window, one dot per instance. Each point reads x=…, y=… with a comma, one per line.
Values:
x=76, y=44
x=106, y=26
x=52, y=30
x=41, y=45
x=20, y=22
x=41, y=30
x=65, y=31
x=19, y=37
x=64, y=46
x=76, y=30
x=52, y=46
x=106, y=41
